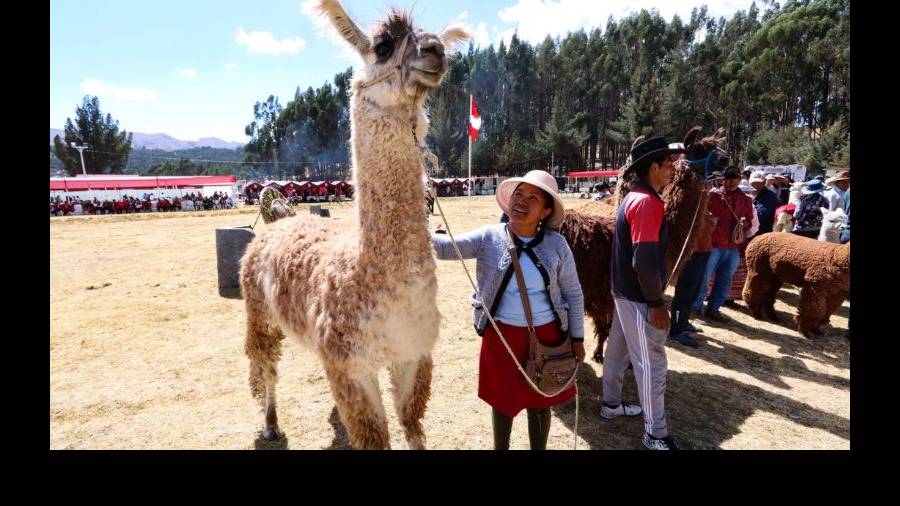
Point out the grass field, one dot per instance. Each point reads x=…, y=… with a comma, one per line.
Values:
x=145, y=355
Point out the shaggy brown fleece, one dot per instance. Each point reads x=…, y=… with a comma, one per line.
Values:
x=589, y=231
x=820, y=269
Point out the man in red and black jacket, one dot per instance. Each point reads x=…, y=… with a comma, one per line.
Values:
x=641, y=321
x=731, y=206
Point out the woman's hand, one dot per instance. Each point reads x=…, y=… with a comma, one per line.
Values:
x=578, y=350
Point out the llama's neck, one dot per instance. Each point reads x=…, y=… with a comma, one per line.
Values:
x=682, y=198
x=390, y=191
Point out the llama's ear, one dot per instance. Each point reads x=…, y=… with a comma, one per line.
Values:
x=637, y=141
x=824, y=210
x=343, y=23
x=453, y=35
x=692, y=135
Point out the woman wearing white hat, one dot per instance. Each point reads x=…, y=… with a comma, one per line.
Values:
x=554, y=294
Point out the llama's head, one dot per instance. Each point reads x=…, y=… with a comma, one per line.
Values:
x=400, y=62
x=833, y=222
x=705, y=154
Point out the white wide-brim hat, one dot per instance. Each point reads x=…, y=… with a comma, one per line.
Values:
x=540, y=179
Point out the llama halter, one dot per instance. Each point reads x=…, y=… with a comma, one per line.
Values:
x=719, y=155
x=398, y=68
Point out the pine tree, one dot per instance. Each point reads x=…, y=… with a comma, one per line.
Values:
x=108, y=149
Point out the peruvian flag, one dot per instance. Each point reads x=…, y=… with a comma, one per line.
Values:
x=474, y=120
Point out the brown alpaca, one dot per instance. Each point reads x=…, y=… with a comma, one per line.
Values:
x=361, y=299
x=820, y=269
x=589, y=231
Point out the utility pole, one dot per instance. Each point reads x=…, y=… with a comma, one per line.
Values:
x=470, y=152
x=80, y=149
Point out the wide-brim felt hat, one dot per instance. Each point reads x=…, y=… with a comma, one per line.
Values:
x=840, y=176
x=540, y=179
x=650, y=148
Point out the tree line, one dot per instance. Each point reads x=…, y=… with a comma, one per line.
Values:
x=777, y=80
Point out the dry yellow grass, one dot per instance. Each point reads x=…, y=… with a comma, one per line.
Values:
x=144, y=354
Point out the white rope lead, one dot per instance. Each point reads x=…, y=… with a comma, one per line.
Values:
x=500, y=334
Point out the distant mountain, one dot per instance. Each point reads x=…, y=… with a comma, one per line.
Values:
x=166, y=142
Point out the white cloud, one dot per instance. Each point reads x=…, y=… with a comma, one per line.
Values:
x=480, y=35
x=535, y=19
x=265, y=42
x=189, y=73
x=128, y=94
x=230, y=66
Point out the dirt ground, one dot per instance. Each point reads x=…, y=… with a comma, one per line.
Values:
x=144, y=354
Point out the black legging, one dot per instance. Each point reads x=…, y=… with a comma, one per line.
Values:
x=538, y=429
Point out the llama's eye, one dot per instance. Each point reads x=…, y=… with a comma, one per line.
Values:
x=384, y=49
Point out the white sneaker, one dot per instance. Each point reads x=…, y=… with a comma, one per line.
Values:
x=622, y=409
x=666, y=443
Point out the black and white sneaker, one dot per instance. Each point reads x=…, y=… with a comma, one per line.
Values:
x=666, y=443
x=622, y=409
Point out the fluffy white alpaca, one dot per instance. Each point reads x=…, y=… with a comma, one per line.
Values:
x=833, y=222
x=784, y=222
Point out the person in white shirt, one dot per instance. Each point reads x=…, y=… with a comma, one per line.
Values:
x=839, y=185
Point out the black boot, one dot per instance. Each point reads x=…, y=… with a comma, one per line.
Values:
x=538, y=428
x=502, y=429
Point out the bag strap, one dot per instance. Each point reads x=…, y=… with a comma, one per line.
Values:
x=523, y=294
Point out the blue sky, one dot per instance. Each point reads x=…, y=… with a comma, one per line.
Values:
x=194, y=68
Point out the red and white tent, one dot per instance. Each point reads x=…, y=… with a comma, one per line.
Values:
x=107, y=185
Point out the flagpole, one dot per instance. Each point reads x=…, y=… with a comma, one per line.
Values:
x=470, y=153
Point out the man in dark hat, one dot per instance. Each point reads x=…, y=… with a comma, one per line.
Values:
x=638, y=277
x=733, y=208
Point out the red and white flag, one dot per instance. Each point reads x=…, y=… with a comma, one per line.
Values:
x=474, y=121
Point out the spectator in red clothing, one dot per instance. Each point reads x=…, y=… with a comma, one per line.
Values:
x=733, y=209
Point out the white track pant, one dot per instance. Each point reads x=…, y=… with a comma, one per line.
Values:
x=632, y=337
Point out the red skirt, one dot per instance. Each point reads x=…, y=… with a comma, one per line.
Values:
x=500, y=383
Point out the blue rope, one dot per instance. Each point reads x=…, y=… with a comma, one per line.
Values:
x=705, y=162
